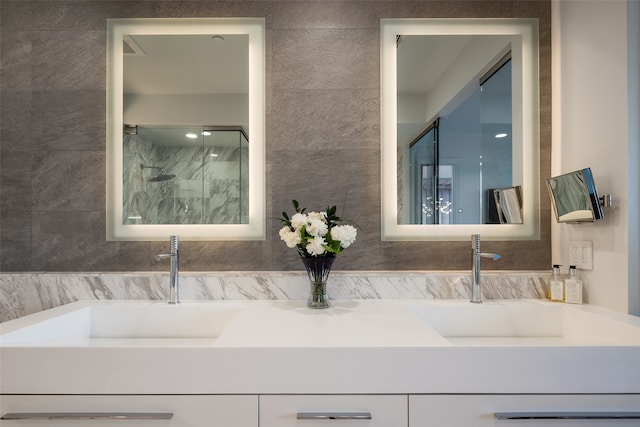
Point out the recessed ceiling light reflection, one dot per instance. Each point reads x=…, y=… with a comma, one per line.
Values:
x=206, y=133
x=501, y=135
x=213, y=155
x=191, y=135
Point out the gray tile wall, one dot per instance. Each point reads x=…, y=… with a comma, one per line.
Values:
x=323, y=133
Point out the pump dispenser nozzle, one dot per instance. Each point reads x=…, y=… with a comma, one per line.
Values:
x=556, y=285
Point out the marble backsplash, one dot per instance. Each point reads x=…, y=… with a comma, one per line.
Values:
x=25, y=293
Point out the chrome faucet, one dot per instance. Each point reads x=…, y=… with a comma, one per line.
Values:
x=476, y=255
x=174, y=285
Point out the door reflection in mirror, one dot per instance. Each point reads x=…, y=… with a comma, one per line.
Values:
x=466, y=152
x=431, y=183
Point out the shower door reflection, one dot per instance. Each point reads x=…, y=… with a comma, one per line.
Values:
x=185, y=175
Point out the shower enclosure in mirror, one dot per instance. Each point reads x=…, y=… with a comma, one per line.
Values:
x=185, y=175
x=459, y=120
x=185, y=129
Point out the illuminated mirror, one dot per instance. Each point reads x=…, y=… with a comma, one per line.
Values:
x=185, y=129
x=459, y=121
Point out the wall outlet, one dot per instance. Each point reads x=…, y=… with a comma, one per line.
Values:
x=581, y=254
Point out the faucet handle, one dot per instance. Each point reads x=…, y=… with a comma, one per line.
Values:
x=173, y=250
x=475, y=242
x=173, y=242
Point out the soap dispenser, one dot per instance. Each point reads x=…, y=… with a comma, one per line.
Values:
x=556, y=285
x=573, y=287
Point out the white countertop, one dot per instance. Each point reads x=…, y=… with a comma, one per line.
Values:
x=372, y=346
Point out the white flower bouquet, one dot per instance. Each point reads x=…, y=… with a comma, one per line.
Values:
x=316, y=234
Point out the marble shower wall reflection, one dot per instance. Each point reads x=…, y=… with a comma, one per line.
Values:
x=201, y=182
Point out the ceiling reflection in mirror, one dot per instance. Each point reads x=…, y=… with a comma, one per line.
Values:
x=187, y=106
x=460, y=121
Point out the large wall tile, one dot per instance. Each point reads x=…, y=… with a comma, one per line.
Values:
x=127, y=256
x=87, y=15
x=15, y=122
x=69, y=120
x=15, y=192
x=15, y=60
x=225, y=256
x=326, y=59
x=15, y=240
x=69, y=60
x=63, y=239
x=68, y=181
x=214, y=9
x=16, y=15
x=329, y=14
x=454, y=9
x=426, y=255
x=331, y=119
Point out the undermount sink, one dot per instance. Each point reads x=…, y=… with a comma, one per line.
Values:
x=129, y=320
x=160, y=320
x=526, y=322
x=463, y=319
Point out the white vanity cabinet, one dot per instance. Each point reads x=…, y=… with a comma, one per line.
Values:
x=538, y=410
x=333, y=410
x=129, y=411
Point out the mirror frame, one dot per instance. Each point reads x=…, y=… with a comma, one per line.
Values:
x=116, y=29
x=525, y=128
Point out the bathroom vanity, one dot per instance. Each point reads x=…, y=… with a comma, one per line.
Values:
x=374, y=363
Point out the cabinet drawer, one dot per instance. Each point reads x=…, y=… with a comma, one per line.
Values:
x=130, y=411
x=333, y=410
x=522, y=410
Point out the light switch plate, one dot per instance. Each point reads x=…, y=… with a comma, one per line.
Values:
x=581, y=254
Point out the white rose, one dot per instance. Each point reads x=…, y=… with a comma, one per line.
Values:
x=316, y=227
x=291, y=238
x=346, y=234
x=314, y=247
x=320, y=216
x=298, y=221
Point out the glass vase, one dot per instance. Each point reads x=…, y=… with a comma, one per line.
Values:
x=318, y=270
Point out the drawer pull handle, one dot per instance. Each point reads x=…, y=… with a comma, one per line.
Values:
x=334, y=415
x=618, y=415
x=87, y=416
